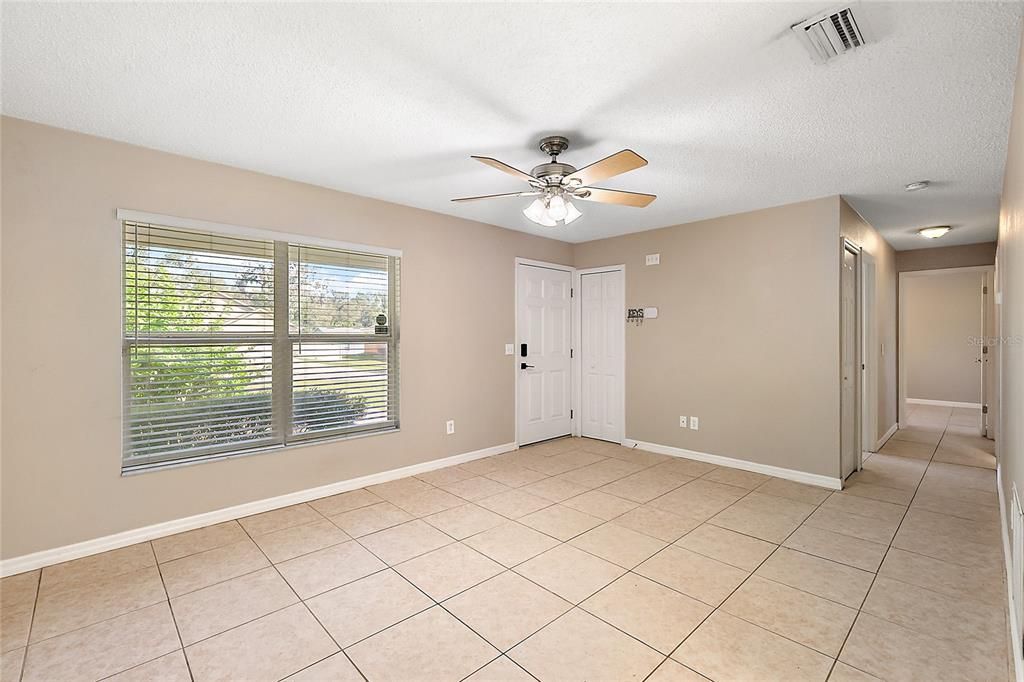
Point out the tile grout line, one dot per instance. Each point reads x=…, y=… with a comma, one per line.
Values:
x=31, y=624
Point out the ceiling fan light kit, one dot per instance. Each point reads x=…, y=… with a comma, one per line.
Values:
x=556, y=184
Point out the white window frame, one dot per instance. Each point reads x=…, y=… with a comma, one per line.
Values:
x=282, y=341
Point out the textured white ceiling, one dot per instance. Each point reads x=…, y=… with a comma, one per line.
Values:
x=389, y=100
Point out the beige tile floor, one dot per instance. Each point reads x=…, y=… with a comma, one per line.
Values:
x=569, y=560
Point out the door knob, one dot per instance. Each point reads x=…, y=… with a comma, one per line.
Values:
x=523, y=365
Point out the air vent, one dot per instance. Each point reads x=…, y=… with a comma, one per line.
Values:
x=829, y=35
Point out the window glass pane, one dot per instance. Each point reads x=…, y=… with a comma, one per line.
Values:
x=183, y=399
x=335, y=292
x=186, y=283
x=338, y=385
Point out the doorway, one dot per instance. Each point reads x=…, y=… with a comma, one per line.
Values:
x=602, y=353
x=850, y=365
x=543, y=351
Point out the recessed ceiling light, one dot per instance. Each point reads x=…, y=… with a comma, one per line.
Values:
x=934, y=232
x=915, y=186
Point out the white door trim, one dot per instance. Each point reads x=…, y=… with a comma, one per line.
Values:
x=869, y=352
x=515, y=347
x=901, y=368
x=577, y=324
x=851, y=246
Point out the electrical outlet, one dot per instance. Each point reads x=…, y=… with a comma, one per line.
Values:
x=694, y=423
x=682, y=422
x=449, y=427
x=509, y=349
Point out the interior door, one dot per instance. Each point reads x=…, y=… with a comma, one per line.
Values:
x=602, y=310
x=545, y=334
x=849, y=422
x=988, y=356
x=870, y=354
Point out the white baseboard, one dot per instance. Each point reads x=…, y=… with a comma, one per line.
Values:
x=779, y=472
x=48, y=557
x=1015, y=633
x=886, y=436
x=942, y=403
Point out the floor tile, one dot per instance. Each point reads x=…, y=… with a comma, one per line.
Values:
x=507, y=609
x=644, y=486
x=461, y=522
x=657, y=523
x=483, y=466
x=449, y=570
x=514, y=504
x=916, y=434
x=220, y=607
x=670, y=671
x=892, y=652
x=269, y=648
x=325, y=569
x=791, y=490
x=446, y=476
x=476, y=488
x=829, y=579
x=560, y=522
x=87, y=569
x=11, y=663
x=570, y=573
x=699, y=499
x=735, y=549
x=578, y=646
x=335, y=668
x=905, y=448
x=727, y=648
x=802, y=617
x=404, y=542
x=278, y=519
x=737, y=477
x=944, y=577
x=692, y=574
x=105, y=648
x=362, y=608
x=846, y=673
x=399, y=489
x=863, y=506
x=555, y=489
x=19, y=589
x=566, y=461
x=515, y=476
x=879, y=492
x=15, y=623
x=845, y=549
x=685, y=467
x=343, y=502
x=366, y=520
x=511, y=543
x=863, y=527
x=500, y=670
x=171, y=667
x=617, y=544
x=654, y=614
x=198, y=540
x=431, y=645
x=60, y=611
x=289, y=543
x=430, y=502
x=197, y=571
x=600, y=473
x=599, y=504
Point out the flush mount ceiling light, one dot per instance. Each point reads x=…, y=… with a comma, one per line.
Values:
x=915, y=186
x=934, y=232
x=556, y=184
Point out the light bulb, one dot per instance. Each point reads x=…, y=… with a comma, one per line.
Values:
x=536, y=211
x=556, y=208
x=571, y=212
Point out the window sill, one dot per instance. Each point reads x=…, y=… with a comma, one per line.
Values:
x=137, y=469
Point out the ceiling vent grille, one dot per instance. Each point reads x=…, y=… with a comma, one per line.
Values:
x=829, y=35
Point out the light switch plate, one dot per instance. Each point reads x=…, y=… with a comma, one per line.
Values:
x=509, y=349
x=653, y=259
x=449, y=427
x=694, y=423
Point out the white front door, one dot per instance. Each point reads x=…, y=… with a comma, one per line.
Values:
x=545, y=333
x=602, y=311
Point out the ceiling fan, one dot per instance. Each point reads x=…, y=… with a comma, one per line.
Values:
x=556, y=184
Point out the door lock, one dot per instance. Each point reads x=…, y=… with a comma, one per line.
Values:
x=523, y=365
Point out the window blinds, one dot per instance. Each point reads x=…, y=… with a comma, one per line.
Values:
x=233, y=344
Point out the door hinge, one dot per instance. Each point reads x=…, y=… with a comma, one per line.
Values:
x=984, y=350
x=570, y=352
x=570, y=414
x=572, y=292
x=984, y=409
x=984, y=289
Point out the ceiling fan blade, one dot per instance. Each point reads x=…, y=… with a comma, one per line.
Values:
x=610, y=166
x=616, y=196
x=497, y=196
x=505, y=168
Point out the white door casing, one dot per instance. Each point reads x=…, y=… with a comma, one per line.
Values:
x=849, y=358
x=544, y=325
x=602, y=325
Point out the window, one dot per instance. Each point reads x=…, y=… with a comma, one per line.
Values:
x=234, y=344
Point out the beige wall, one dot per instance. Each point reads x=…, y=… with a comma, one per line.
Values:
x=746, y=337
x=966, y=256
x=941, y=315
x=856, y=229
x=61, y=361
x=1011, y=312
